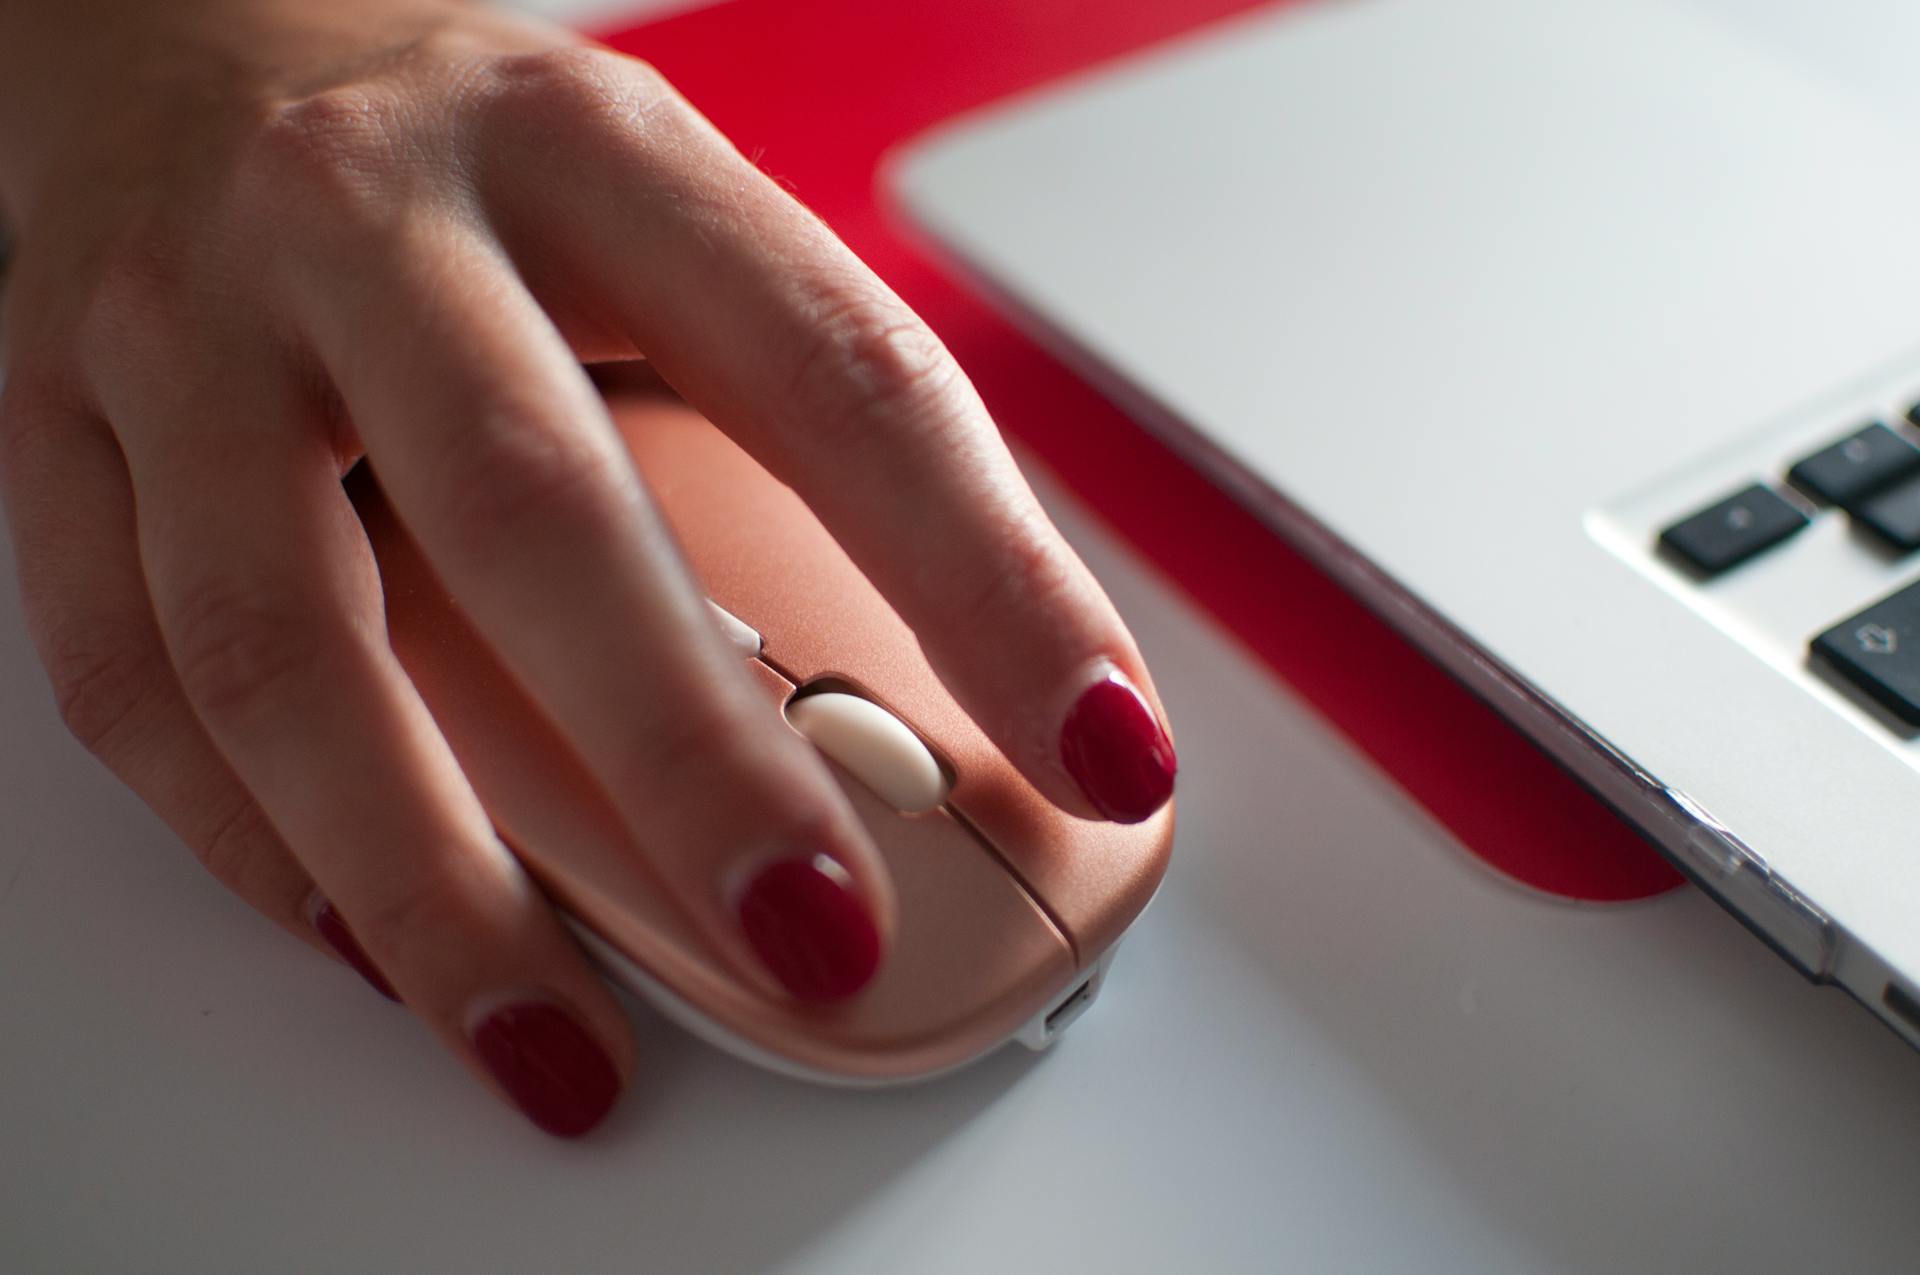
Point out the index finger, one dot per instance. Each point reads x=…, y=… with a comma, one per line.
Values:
x=774, y=329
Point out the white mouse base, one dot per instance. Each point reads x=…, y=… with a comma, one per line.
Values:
x=1038, y=1033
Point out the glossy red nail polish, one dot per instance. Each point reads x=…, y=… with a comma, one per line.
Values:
x=811, y=929
x=1114, y=748
x=329, y=926
x=550, y=1065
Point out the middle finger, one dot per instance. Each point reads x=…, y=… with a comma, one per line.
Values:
x=504, y=465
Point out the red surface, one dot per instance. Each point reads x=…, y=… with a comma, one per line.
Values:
x=819, y=90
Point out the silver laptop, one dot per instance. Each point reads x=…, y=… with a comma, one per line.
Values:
x=1581, y=339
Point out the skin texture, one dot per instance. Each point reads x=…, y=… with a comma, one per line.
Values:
x=257, y=241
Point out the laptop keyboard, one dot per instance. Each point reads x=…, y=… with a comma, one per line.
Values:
x=1860, y=465
x=1872, y=477
x=1728, y=532
x=1878, y=651
x=1894, y=516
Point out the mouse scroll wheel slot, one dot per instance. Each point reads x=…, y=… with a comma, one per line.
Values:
x=876, y=747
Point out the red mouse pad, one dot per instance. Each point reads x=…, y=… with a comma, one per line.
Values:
x=818, y=91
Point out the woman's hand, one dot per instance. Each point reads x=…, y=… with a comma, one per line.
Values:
x=258, y=239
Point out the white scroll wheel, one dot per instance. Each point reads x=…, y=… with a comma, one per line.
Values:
x=874, y=745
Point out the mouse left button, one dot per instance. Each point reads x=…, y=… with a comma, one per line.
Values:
x=741, y=635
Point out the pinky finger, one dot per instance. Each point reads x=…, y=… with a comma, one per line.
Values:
x=70, y=510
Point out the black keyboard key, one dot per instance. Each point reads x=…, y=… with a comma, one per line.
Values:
x=1879, y=652
x=1733, y=530
x=1894, y=515
x=1857, y=466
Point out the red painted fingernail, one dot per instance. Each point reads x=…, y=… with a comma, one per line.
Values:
x=811, y=929
x=550, y=1065
x=329, y=926
x=1115, y=750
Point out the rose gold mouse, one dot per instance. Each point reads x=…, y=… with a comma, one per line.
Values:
x=1009, y=909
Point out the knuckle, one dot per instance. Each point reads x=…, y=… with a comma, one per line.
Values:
x=688, y=750
x=101, y=676
x=867, y=363
x=1027, y=577
x=238, y=653
x=334, y=128
x=238, y=849
x=413, y=910
x=579, y=85
x=141, y=281
x=333, y=152
x=500, y=482
x=558, y=69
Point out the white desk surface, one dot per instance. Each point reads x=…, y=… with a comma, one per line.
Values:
x=1335, y=1044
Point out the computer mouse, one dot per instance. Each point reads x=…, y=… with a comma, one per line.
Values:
x=1009, y=909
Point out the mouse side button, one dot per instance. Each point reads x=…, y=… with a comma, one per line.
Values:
x=739, y=634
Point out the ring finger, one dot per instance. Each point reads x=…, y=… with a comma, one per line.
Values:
x=269, y=606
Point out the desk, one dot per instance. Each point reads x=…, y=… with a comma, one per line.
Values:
x=1336, y=1043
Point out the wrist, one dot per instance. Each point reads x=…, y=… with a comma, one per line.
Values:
x=100, y=90
x=80, y=77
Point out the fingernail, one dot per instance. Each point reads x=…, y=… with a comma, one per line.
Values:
x=328, y=924
x=810, y=928
x=550, y=1065
x=1114, y=748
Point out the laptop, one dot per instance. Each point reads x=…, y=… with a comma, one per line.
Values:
x=1581, y=338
